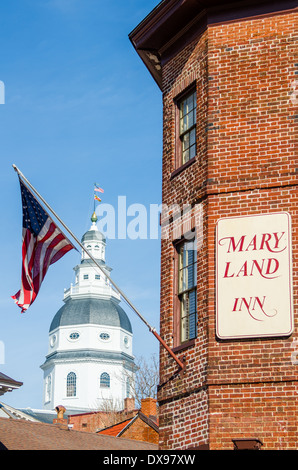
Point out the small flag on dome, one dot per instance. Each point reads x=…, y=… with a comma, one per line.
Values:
x=97, y=188
x=43, y=244
x=97, y=198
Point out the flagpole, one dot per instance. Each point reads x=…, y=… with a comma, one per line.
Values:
x=152, y=329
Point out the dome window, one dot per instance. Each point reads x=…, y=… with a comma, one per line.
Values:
x=97, y=276
x=105, y=380
x=74, y=336
x=104, y=336
x=86, y=276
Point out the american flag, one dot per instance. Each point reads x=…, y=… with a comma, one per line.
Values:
x=43, y=244
x=97, y=188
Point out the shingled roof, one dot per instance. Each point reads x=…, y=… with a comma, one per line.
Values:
x=17, y=434
x=116, y=429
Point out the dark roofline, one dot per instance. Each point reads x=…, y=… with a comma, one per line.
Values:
x=144, y=418
x=90, y=354
x=84, y=413
x=172, y=24
x=150, y=422
x=117, y=424
x=128, y=425
x=9, y=381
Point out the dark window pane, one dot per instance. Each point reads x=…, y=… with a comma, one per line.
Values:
x=192, y=152
x=192, y=302
x=192, y=137
x=192, y=326
x=187, y=280
x=187, y=129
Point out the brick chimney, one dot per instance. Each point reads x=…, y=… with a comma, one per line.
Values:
x=129, y=404
x=60, y=420
x=149, y=408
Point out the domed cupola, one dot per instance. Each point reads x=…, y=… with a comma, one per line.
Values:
x=94, y=241
x=90, y=357
x=91, y=311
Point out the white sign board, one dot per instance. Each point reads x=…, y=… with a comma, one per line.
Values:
x=254, y=276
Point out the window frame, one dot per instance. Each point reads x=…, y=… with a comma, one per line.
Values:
x=182, y=97
x=105, y=380
x=178, y=295
x=71, y=385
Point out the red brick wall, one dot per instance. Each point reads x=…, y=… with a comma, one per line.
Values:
x=183, y=420
x=251, y=137
x=92, y=422
x=267, y=411
x=148, y=406
x=89, y=422
x=259, y=389
x=183, y=399
x=140, y=431
x=246, y=164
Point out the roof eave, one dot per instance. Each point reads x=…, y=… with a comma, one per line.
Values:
x=6, y=381
x=151, y=34
x=174, y=22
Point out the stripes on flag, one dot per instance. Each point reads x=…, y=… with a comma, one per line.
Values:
x=97, y=188
x=43, y=244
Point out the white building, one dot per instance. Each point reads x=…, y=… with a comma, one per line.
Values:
x=90, y=364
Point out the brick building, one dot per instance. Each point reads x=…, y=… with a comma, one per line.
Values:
x=142, y=426
x=227, y=74
x=131, y=423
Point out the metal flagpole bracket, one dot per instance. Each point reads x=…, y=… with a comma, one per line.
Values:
x=181, y=364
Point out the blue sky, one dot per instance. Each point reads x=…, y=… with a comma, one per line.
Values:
x=80, y=107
